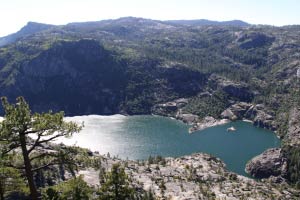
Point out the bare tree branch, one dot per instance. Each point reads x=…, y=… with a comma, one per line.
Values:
x=44, y=166
x=43, y=155
x=52, y=138
x=35, y=143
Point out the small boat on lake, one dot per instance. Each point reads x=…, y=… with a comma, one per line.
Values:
x=231, y=129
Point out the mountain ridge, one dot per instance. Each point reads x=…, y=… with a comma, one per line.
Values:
x=29, y=29
x=139, y=41
x=205, y=22
x=35, y=27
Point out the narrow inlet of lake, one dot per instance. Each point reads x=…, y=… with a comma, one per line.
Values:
x=138, y=137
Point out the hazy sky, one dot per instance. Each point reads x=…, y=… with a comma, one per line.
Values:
x=16, y=13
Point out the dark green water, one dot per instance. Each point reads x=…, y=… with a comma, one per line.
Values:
x=137, y=137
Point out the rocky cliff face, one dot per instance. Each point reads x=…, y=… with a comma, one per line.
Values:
x=279, y=164
x=77, y=77
x=237, y=90
x=260, y=116
x=293, y=132
x=269, y=163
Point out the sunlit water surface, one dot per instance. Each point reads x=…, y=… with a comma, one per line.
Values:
x=138, y=137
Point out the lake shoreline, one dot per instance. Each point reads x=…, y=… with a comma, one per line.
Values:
x=139, y=136
x=207, y=122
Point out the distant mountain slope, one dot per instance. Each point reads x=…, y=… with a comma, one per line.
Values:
x=83, y=77
x=29, y=29
x=33, y=27
x=205, y=22
x=153, y=62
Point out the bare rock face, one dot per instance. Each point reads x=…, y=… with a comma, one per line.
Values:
x=169, y=108
x=239, y=90
x=236, y=111
x=228, y=114
x=269, y=163
x=260, y=116
x=264, y=120
x=293, y=134
x=187, y=118
x=196, y=176
x=207, y=122
x=174, y=109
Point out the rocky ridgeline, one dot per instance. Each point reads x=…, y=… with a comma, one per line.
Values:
x=197, y=176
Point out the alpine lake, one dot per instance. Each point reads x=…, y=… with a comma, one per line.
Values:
x=138, y=137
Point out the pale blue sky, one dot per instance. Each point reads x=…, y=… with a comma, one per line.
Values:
x=16, y=13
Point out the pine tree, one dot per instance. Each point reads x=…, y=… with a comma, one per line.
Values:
x=23, y=130
x=116, y=186
x=73, y=189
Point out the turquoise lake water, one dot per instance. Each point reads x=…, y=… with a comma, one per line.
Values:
x=138, y=137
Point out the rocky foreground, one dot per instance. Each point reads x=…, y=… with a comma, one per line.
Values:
x=197, y=176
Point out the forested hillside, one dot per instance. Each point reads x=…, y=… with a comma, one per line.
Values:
x=130, y=64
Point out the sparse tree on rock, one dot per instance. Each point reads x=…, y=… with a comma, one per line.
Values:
x=29, y=132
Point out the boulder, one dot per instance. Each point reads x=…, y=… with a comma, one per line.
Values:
x=270, y=163
x=228, y=114
x=236, y=111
